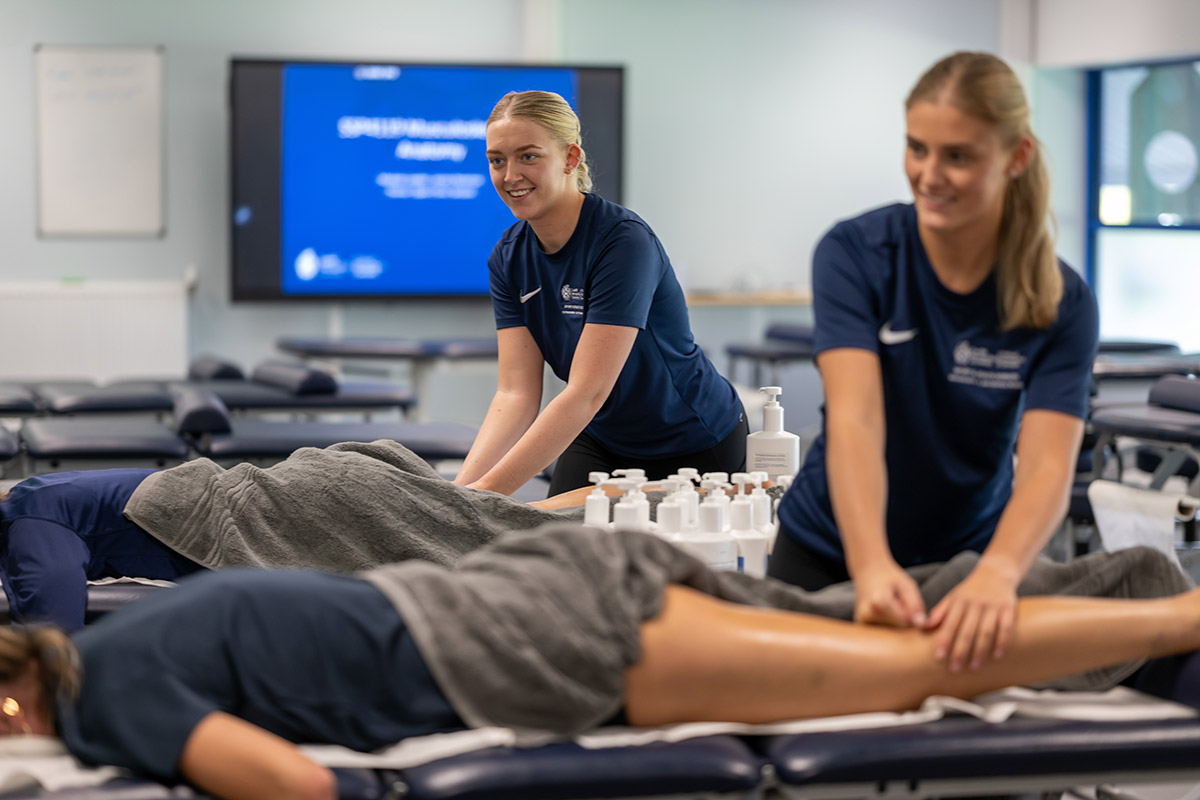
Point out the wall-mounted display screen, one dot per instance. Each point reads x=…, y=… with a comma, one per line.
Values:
x=370, y=181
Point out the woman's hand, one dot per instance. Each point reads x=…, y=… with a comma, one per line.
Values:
x=974, y=622
x=887, y=595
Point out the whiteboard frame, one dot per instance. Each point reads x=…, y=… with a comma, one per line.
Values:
x=100, y=164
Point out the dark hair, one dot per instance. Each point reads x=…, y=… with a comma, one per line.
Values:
x=56, y=657
x=1028, y=281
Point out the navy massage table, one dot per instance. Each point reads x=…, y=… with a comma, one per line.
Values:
x=203, y=424
x=273, y=386
x=963, y=756
x=1169, y=421
x=421, y=355
x=101, y=599
x=783, y=344
x=17, y=400
x=955, y=756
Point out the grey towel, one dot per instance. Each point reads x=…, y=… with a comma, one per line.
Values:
x=348, y=507
x=536, y=630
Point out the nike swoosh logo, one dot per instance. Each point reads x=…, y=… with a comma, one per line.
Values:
x=889, y=336
x=525, y=297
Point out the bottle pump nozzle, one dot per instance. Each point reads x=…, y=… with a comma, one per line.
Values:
x=772, y=411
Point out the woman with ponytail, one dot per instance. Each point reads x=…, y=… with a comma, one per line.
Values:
x=584, y=285
x=949, y=338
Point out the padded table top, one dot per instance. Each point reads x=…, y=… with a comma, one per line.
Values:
x=968, y=748
x=565, y=770
x=16, y=400
x=772, y=351
x=270, y=439
x=350, y=395
x=1142, y=367
x=386, y=348
x=62, y=397
x=1148, y=422
x=101, y=437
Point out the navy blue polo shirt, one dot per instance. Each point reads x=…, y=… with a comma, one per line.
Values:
x=61, y=530
x=669, y=399
x=314, y=658
x=954, y=386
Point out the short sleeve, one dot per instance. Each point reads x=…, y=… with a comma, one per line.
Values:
x=505, y=306
x=625, y=276
x=148, y=736
x=45, y=573
x=845, y=311
x=1061, y=378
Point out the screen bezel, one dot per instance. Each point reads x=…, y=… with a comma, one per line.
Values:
x=255, y=144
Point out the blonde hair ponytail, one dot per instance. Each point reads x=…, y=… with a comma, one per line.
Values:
x=1029, y=284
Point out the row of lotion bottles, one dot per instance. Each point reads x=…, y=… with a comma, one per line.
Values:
x=727, y=533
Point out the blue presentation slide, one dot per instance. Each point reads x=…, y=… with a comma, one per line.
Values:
x=385, y=184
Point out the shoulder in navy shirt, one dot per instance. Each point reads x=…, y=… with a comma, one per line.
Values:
x=59, y=531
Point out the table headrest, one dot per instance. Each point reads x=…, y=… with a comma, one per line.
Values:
x=207, y=368
x=199, y=411
x=295, y=376
x=1176, y=392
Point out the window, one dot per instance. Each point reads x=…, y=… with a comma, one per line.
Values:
x=1144, y=218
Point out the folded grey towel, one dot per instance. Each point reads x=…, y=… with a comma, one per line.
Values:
x=348, y=507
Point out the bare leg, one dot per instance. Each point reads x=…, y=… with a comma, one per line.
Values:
x=705, y=659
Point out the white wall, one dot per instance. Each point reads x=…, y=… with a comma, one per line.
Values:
x=200, y=36
x=753, y=126
x=1089, y=33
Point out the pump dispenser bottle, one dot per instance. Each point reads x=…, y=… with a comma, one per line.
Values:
x=633, y=509
x=760, y=501
x=773, y=450
x=716, y=548
x=752, y=544
x=688, y=497
x=595, y=507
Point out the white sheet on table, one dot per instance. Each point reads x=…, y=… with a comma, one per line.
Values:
x=26, y=761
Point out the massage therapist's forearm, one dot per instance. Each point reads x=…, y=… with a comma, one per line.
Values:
x=600, y=356
x=545, y=440
x=508, y=418
x=1047, y=450
x=858, y=491
x=855, y=436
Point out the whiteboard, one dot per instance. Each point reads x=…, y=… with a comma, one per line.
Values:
x=99, y=140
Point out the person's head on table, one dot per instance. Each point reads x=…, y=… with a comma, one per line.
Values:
x=39, y=669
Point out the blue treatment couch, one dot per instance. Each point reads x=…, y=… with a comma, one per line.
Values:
x=954, y=756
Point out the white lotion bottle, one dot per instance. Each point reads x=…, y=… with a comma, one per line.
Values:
x=752, y=544
x=763, y=518
x=595, y=507
x=773, y=450
x=689, y=498
x=716, y=549
x=632, y=511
